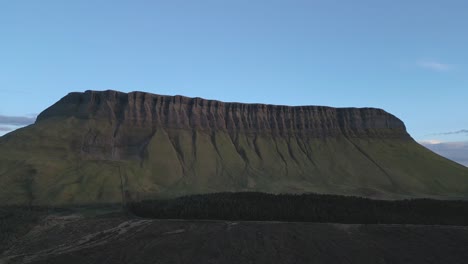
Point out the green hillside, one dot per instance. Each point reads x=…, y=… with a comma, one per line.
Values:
x=113, y=147
x=43, y=167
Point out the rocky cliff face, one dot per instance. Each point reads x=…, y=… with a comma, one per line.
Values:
x=135, y=117
x=111, y=146
x=178, y=112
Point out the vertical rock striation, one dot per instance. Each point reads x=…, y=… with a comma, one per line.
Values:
x=178, y=112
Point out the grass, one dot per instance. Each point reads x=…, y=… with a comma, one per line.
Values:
x=72, y=161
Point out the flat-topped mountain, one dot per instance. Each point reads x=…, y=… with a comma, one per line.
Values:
x=111, y=147
x=179, y=112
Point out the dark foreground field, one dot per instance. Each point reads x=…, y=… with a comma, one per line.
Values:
x=116, y=238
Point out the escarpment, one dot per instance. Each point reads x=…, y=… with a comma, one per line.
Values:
x=135, y=117
x=109, y=146
x=179, y=112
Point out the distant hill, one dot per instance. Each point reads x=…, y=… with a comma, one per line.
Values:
x=108, y=146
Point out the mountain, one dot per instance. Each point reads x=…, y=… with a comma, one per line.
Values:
x=111, y=147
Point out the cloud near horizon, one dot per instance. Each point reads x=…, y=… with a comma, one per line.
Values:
x=456, y=151
x=430, y=141
x=16, y=120
x=5, y=128
x=434, y=65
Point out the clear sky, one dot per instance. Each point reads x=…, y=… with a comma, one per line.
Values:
x=407, y=57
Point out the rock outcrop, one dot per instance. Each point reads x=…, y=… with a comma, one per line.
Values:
x=180, y=112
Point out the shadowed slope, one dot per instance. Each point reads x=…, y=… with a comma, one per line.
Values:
x=111, y=147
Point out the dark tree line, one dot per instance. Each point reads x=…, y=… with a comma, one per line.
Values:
x=305, y=208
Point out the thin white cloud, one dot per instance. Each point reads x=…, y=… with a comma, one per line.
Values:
x=458, y=132
x=462, y=131
x=434, y=65
x=430, y=142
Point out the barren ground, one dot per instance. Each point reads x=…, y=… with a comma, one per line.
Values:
x=115, y=238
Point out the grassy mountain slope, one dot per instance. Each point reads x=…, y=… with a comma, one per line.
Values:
x=41, y=167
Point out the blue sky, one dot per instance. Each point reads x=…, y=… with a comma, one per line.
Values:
x=407, y=57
